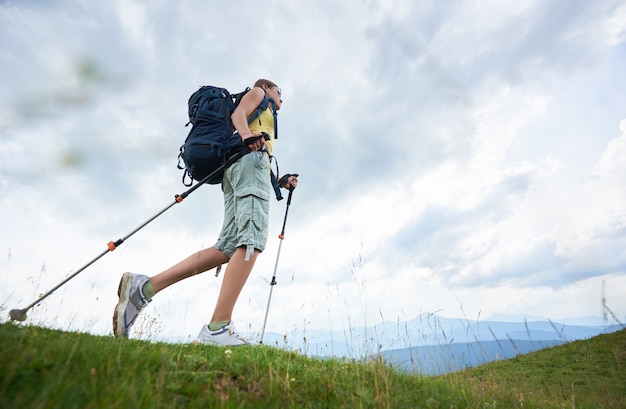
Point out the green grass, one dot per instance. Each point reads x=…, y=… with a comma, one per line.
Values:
x=44, y=368
x=580, y=374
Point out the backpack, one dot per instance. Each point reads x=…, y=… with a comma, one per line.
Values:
x=212, y=138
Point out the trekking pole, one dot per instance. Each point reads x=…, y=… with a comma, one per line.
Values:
x=281, y=236
x=20, y=314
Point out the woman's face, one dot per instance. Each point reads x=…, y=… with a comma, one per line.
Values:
x=276, y=94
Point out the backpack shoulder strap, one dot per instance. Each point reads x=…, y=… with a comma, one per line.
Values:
x=266, y=102
x=262, y=107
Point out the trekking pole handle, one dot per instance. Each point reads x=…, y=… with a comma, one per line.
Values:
x=252, y=139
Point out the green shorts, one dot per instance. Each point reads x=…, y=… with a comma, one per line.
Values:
x=246, y=186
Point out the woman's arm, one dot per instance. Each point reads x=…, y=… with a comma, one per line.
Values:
x=247, y=105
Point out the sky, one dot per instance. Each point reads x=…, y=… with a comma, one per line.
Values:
x=464, y=158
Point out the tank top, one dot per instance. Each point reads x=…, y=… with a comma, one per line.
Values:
x=265, y=123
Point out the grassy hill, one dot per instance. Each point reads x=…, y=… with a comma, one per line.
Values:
x=43, y=368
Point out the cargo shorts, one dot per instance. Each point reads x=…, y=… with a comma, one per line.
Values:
x=246, y=187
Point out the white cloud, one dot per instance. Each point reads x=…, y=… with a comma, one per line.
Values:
x=133, y=18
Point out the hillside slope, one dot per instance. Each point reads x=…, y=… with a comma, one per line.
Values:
x=44, y=368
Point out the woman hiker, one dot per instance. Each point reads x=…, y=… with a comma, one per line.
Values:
x=246, y=186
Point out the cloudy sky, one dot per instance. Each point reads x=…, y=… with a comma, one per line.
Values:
x=463, y=157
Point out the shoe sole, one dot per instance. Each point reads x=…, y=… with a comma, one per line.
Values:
x=123, y=292
x=210, y=341
x=247, y=344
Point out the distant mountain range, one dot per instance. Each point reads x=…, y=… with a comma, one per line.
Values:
x=440, y=359
x=431, y=345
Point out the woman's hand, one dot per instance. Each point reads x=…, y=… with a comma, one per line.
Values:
x=257, y=143
x=289, y=181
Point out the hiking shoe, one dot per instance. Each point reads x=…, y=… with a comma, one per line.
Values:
x=131, y=302
x=225, y=336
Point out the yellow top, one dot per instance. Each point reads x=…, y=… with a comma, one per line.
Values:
x=266, y=125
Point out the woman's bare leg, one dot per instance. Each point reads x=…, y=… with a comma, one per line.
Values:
x=235, y=277
x=197, y=263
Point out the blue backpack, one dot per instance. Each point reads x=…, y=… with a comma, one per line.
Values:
x=213, y=138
